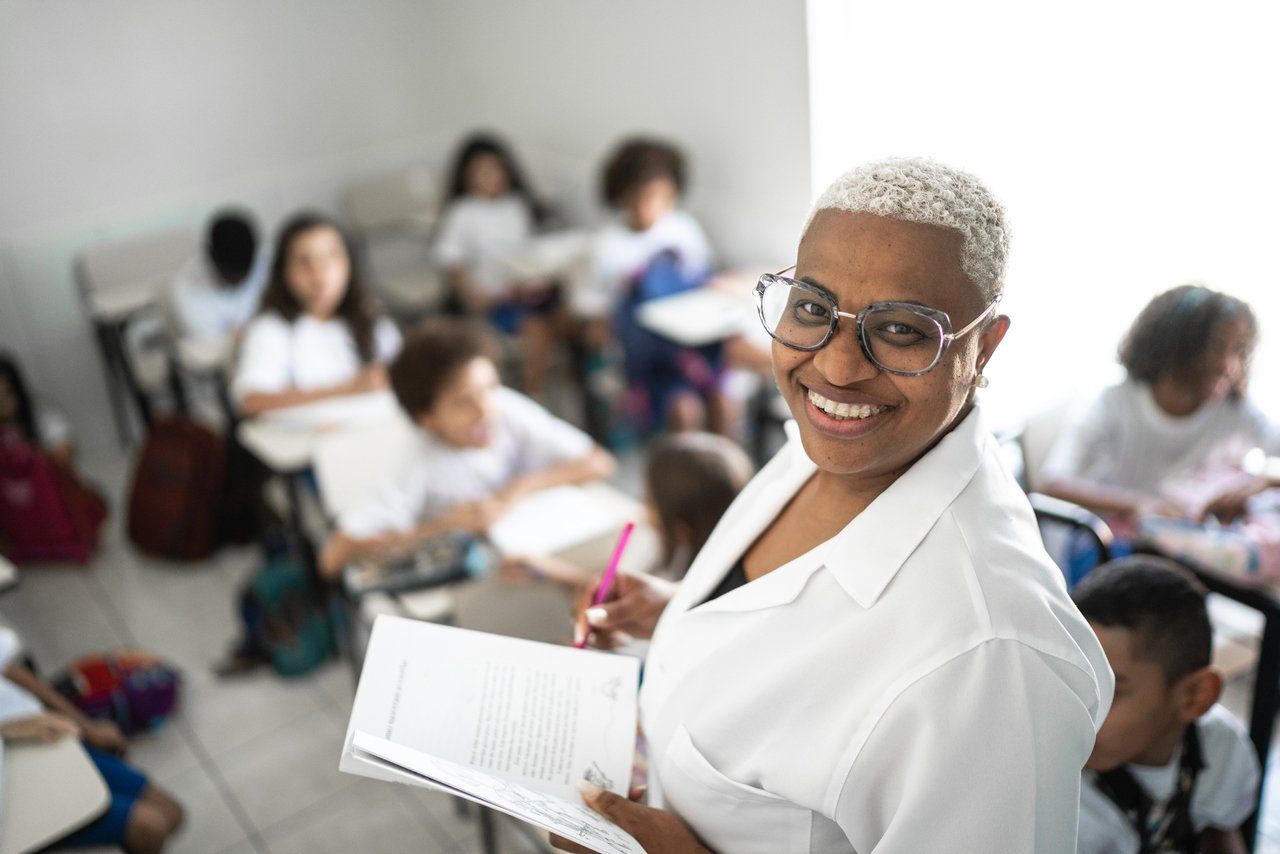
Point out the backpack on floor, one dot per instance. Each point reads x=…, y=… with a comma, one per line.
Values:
x=287, y=618
x=176, y=491
x=45, y=512
x=134, y=689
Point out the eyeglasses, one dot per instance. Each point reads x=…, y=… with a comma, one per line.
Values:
x=900, y=338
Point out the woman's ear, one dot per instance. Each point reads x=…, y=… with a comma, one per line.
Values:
x=1198, y=691
x=990, y=339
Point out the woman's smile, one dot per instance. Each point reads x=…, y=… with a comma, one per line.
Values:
x=855, y=415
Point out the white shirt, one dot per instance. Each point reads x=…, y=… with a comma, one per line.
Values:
x=15, y=702
x=619, y=254
x=276, y=355
x=435, y=477
x=479, y=233
x=204, y=308
x=1222, y=798
x=1126, y=440
x=919, y=683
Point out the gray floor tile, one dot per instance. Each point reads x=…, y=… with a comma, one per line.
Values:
x=211, y=824
x=365, y=817
x=165, y=753
x=228, y=714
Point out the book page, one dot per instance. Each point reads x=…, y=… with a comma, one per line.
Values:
x=538, y=715
x=552, y=520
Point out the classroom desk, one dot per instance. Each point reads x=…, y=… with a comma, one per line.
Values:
x=49, y=790
x=723, y=308
x=111, y=312
x=285, y=440
x=204, y=355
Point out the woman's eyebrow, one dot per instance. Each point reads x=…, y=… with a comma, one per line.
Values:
x=809, y=280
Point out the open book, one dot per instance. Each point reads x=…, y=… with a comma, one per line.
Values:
x=510, y=724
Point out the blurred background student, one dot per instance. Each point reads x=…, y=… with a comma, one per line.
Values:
x=217, y=292
x=318, y=333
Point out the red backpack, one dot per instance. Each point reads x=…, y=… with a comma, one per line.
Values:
x=177, y=486
x=46, y=514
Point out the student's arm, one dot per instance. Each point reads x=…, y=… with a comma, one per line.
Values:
x=342, y=549
x=597, y=464
x=370, y=378
x=1217, y=841
x=103, y=735
x=1110, y=500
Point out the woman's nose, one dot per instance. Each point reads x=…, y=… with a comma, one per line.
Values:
x=842, y=362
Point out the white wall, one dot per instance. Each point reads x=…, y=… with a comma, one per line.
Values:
x=118, y=116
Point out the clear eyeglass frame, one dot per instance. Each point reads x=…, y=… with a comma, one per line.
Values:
x=943, y=321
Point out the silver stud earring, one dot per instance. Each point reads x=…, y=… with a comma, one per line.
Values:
x=981, y=381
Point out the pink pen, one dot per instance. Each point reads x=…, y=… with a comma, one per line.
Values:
x=606, y=580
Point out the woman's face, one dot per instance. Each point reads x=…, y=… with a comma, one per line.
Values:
x=861, y=258
x=466, y=409
x=318, y=271
x=485, y=176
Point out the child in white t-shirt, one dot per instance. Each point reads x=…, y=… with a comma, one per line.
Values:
x=481, y=446
x=1168, y=764
x=317, y=335
x=490, y=214
x=1183, y=406
x=215, y=294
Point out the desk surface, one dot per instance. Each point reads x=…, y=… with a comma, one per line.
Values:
x=286, y=439
x=722, y=309
x=205, y=354
x=49, y=791
x=116, y=304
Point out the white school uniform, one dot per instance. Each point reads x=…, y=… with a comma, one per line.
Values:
x=619, y=254
x=1222, y=798
x=435, y=476
x=1126, y=440
x=479, y=234
x=919, y=682
x=203, y=308
x=15, y=703
x=277, y=355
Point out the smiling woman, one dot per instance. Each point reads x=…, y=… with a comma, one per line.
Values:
x=873, y=652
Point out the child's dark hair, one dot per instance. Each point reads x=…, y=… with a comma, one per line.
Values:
x=231, y=243
x=637, y=161
x=356, y=309
x=432, y=355
x=1173, y=334
x=1160, y=602
x=25, y=418
x=692, y=478
x=486, y=143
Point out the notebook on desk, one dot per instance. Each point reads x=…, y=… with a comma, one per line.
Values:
x=554, y=520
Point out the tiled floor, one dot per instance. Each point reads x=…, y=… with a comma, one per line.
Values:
x=254, y=759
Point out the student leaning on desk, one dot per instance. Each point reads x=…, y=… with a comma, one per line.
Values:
x=873, y=652
x=480, y=447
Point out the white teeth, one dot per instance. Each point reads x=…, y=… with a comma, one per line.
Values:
x=844, y=411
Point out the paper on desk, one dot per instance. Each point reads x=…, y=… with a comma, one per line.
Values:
x=698, y=317
x=534, y=714
x=570, y=819
x=553, y=520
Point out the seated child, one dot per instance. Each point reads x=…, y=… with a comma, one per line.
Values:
x=317, y=334
x=1182, y=406
x=1170, y=770
x=216, y=293
x=690, y=479
x=141, y=817
x=481, y=447
x=651, y=249
x=36, y=424
x=490, y=213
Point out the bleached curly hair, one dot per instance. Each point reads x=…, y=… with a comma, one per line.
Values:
x=915, y=189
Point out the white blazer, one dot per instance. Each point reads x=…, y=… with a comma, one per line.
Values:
x=919, y=683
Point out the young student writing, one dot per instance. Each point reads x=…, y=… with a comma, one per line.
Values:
x=141, y=817
x=1170, y=770
x=1183, y=405
x=481, y=447
x=217, y=292
x=690, y=479
x=651, y=249
x=491, y=212
x=317, y=334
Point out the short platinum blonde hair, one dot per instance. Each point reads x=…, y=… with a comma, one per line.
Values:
x=914, y=189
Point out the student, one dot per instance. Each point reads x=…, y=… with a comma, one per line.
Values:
x=217, y=292
x=35, y=423
x=1166, y=753
x=490, y=213
x=1183, y=405
x=651, y=248
x=690, y=479
x=317, y=335
x=140, y=816
x=481, y=447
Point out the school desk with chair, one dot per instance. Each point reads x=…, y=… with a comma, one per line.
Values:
x=46, y=792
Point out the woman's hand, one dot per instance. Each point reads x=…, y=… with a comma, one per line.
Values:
x=655, y=830
x=105, y=736
x=635, y=603
x=47, y=728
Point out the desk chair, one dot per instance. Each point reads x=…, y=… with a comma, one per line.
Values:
x=122, y=285
x=1063, y=527
x=393, y=218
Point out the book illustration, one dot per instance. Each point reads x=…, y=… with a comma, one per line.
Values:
x=595, y=775
x=610, y=688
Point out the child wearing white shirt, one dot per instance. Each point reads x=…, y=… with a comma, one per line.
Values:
x=481, y=447
x=317, y=335
x=215, y=294
x=1170, y=770
x=491, y=213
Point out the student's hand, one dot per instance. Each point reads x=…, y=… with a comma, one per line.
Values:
x=370, y=378
x=1154, y=506
x=476, y=516
x=1232, y=504
x=517, y=570
x=48, y=728
x=634, y=605
x=655, y=830
x=105, y=736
